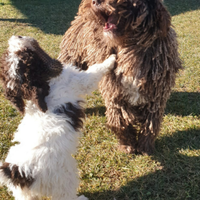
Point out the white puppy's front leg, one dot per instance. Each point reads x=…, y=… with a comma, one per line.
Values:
x=103, y=68
x=88, y=80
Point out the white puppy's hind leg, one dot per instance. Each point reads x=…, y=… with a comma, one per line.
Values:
x=33, y=198
x=82, y=197
x=19, y=195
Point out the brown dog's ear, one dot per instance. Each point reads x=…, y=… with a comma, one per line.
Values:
x=84, y=5
x=163, y=18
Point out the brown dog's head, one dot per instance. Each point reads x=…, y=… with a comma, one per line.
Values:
x=25, y=70
x=129, y=19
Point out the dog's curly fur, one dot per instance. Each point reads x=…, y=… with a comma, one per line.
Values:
x=50, y=95
x=136, y=91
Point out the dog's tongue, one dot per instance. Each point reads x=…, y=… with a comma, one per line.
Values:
x=109, y=25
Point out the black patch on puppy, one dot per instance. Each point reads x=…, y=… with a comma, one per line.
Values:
x=75, y=113
x=12, y=173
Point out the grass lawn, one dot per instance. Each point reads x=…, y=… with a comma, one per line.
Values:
x=173, y=171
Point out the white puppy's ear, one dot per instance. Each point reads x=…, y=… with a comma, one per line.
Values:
x=11, y=82
x=25, y=71
x=16, y=99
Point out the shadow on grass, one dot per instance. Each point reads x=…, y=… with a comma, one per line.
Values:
x=184, y=104
x=51, y=16
x=180, y=103
x=181, y=6
x=98, y=110
x=55, y=16
x=179, y=175
x=15, y=20
x=178, y=178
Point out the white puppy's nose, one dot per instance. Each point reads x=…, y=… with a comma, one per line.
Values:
x=19, y=43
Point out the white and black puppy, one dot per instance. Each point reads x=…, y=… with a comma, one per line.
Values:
x=50, y=95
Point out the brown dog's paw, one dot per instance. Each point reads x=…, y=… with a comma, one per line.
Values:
x=145, y=150
x=126, y=149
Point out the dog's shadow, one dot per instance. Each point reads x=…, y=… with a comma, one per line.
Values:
x=180, y=103
x=50, y=16
x=184, y=104
x=178, y=176
x=181, y=6
x=55, y=16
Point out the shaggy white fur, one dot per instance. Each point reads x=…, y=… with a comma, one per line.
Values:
x=48, y=139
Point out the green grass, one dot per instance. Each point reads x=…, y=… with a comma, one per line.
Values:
x=173, y=171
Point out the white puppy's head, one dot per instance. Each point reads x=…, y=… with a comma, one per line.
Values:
x=20, y=43
x=25, y=70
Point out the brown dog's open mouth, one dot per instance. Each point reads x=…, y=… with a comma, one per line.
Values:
x=109, y=25
x=106, y=15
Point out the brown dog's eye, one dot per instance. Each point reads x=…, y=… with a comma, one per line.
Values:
x=96, y=2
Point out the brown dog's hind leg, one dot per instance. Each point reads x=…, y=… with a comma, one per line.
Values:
x=120, y=123
x=149, y=130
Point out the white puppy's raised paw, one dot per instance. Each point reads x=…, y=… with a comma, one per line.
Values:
x=104, y=67
x=82, y=197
